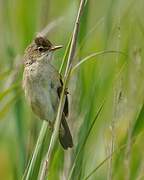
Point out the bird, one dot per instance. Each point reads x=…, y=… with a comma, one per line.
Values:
x=43, y=85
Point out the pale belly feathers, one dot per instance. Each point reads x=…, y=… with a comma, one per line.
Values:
x=40, y=84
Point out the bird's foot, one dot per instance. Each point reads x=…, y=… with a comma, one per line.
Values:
x=51, y=126
x=66, y=91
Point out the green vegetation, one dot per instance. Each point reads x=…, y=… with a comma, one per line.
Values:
x=106, y=90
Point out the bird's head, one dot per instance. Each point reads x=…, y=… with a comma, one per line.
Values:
x=40, y=49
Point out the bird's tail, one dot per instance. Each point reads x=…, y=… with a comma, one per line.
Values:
x=65, y=136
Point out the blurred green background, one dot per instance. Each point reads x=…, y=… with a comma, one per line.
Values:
x=106, y=93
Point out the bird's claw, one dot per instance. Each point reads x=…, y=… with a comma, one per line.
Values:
x=66, y=91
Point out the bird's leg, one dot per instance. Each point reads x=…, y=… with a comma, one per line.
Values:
x=65, y=91
x=51, y=127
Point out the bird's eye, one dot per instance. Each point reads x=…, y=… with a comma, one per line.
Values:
x=40, y=49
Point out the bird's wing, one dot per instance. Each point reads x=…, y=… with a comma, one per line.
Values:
x=59, y=90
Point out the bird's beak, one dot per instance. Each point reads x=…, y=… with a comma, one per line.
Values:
x=53, y=48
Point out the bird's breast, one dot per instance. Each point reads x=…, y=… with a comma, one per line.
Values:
x=40, y=88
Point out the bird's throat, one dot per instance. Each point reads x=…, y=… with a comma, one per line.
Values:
x=46, y=58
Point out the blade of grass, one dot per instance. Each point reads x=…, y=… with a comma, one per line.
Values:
x=121, y=148
x=30, y=170
x=94, y=55
x=19, y=127
x=80, y=152
x=84, y=24
x=85, y=140
x=82, y=35
x=65, y=56
x=103, y=162
x=139, y=123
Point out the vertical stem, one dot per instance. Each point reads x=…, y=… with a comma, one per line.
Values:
x=55, y=133
x=28, y=172
x=74, y=37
